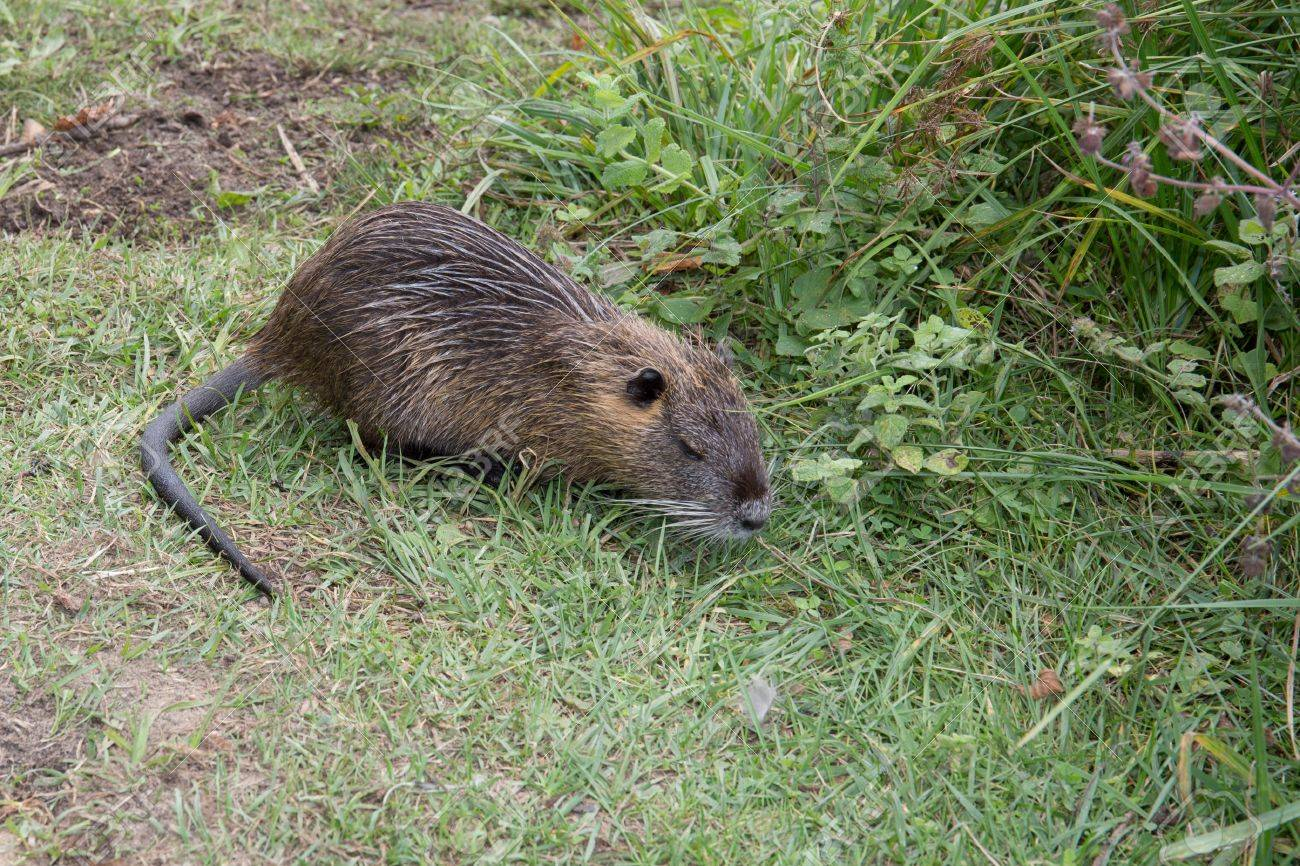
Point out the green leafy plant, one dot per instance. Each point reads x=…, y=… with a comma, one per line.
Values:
x=913, y=392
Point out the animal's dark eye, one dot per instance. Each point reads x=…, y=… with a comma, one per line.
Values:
x=690, y=450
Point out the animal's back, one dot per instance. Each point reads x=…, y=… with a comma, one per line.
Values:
x=411, y=319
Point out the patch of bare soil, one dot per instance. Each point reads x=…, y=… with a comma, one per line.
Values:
x=210, y=135
x=113, y=806
x=65, y=573
x=26, y=743
x=176, y=700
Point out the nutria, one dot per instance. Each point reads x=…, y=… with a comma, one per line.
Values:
x=438, y=335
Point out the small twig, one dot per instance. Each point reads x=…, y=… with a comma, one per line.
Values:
x=1144, y=455
x=74, y=133
x=1294, y=175
x=296, y=160
x=1290, y=687
x=983, y=850
x=1103, y=856
x=20, y=146
x=1183, y=184
x=1282, y=379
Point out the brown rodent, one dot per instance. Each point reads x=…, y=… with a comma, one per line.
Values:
x=438, y=335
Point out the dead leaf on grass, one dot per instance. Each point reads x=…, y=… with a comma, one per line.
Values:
x=69, y=603
x=1047, y=684
x=226, y=118
x=672, y=264
x=217, y=743
x=760, y=695
x=32, y=132
x=91, y=115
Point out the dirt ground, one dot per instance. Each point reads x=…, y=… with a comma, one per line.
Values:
x=206, y=141
x=180, y=707
x=181, y=720
x=25, y=741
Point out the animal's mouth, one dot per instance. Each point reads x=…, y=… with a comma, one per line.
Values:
x=740, y=533
x=697, y=520
x=731, y=528
x=725, y=529
x=751, y=516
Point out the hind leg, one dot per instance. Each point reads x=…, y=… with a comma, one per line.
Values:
x=485, y=467
x=479, y=465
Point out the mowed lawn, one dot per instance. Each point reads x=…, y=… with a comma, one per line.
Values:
x=1047, y=652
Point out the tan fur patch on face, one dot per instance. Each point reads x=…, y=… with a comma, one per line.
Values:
x=624, y=416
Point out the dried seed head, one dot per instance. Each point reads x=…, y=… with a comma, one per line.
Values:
x=1127, y=82
x=1287, y=445
x=1123, y=83
x=1259, y=500
x=1090, y=135
x=1255, y=553
x=1086, y=328
x=1182, y=140
x=1135, y=158
x=1265, y=85
x=1139, y=170
x=1143, y=183
x=1209, y=200
x=1206, y=203
x=1266, y=209
x=1111, y=19
x=1237, y=403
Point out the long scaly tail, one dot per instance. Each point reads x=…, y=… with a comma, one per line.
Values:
x=191, y=409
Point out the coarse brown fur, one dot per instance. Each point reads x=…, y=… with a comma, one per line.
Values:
x=436, y=334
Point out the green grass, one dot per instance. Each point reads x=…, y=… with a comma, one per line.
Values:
x=461, y=674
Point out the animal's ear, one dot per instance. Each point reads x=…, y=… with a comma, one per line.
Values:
x=723, y=350
x=645, y=387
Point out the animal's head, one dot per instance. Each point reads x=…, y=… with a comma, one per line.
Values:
x=685, y=442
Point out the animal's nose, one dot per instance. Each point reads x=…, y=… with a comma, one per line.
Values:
x=753, y=514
